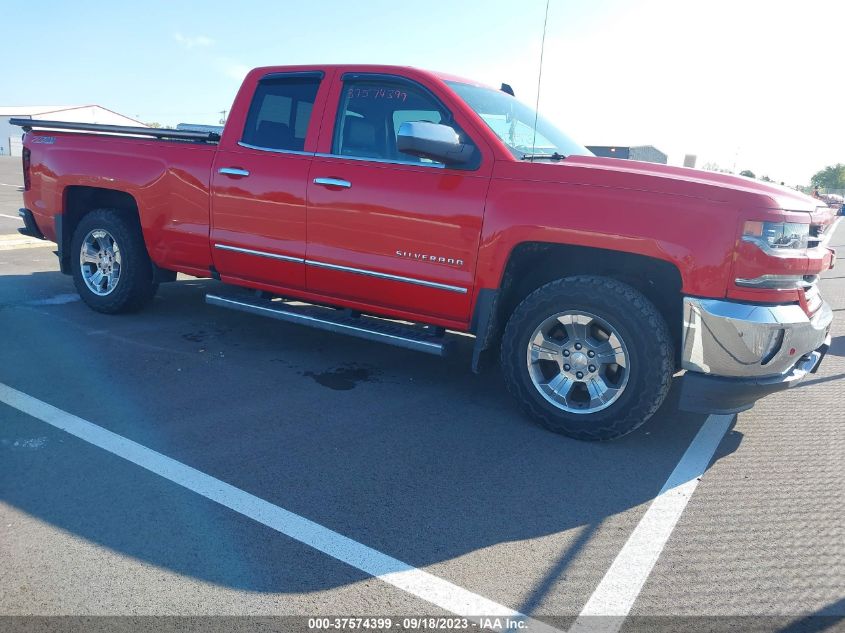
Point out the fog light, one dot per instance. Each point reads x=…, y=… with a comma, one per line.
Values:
x=763, y=344
x=775, y=343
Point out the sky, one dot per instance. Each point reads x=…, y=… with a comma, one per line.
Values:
x=746, y=84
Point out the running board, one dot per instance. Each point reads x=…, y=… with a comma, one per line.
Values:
x=339, y=321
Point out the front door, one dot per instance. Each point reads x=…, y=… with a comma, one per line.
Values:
x=389, y=229
x=259, y=184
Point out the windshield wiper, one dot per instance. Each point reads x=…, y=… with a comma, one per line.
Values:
x=553, y=156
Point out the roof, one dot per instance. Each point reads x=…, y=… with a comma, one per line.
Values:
x=367, y=68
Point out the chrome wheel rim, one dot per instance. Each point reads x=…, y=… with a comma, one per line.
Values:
x=578, y=362
x=100, y=262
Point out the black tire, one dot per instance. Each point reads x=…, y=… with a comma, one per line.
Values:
x=135, y=285
x=637, y=322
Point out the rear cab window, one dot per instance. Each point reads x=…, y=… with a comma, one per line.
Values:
x=280, y=112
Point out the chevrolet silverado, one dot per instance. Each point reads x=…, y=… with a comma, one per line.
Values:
x=394, y=204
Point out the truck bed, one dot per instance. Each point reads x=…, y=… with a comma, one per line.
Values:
x=168, y=170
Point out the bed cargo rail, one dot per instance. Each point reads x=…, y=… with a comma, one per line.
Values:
x=162, y=133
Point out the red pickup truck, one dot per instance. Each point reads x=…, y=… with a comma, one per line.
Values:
x=395, y=204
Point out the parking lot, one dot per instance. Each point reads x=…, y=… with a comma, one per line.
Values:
x=275, y=470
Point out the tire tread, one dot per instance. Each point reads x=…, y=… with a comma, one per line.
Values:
x=646, y=319
x=136, y=286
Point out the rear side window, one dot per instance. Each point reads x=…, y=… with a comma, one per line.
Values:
x=280, y=112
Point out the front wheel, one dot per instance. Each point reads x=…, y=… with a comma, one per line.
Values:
x=588, y=357
x=111, y=268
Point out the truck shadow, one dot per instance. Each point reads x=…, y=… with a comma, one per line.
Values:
x=423, y=460
x=837, y=346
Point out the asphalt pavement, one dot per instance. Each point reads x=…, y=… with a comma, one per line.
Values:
x=413, y=457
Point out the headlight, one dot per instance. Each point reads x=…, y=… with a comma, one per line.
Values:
x=786, y=239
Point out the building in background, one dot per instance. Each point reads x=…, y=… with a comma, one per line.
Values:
x=10, y=135
x=689, y=160
x=648, y=153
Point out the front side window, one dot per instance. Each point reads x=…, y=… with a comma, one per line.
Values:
x=280, y=112
x=514, y=123
x=371, y=112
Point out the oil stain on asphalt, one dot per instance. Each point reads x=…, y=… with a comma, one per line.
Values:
x=345, y=377
x=200, y=336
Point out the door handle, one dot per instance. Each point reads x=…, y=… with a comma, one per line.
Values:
x=332, y=182
x=233, y=171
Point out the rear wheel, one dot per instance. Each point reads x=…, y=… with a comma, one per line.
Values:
x=588, y=357
x=111, y=268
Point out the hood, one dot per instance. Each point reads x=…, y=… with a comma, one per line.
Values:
x=706, y=184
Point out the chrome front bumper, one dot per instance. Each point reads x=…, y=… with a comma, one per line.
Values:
x=724, y=338
x=737, y=353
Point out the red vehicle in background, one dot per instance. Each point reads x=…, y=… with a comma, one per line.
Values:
x=380, y=193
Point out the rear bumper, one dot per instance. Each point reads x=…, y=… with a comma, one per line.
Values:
x=30, y=228
x=737, y=353
x=702, y=393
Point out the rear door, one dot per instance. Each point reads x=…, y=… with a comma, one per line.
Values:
x=259, y=182
x=385, y=228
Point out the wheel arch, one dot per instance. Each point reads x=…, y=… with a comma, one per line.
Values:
x=79, y=200
x=532, y=264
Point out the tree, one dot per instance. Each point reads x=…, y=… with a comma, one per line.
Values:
x=153, y=124
x=831, y=177
x=715, y=167
x=747, y=173
x=766, y=179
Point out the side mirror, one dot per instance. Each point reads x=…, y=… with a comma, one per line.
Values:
x=434, y=141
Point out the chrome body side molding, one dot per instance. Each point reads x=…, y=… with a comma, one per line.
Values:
x=249, y=251
x=345, y=269
x=372, y=273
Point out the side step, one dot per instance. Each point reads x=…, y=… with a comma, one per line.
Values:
x=339, y=321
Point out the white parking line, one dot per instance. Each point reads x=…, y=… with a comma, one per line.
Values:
x=612, y=600
x=16, y=241
x=13, y=217
x=3, y=184
x=392, y=571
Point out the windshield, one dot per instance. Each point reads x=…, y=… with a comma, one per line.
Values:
x=513, y=122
